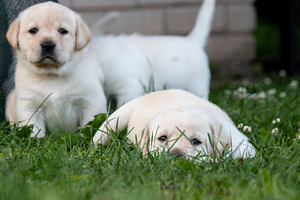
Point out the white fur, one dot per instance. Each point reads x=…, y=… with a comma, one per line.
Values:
x=131, y=61
x=63, y=92
x=171, y=113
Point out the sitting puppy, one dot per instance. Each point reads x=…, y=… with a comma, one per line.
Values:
x=177, y=121
x=58, y=81
x=130, y=62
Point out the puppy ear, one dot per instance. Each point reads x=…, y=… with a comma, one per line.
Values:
x=13, y=33
x=83, y=34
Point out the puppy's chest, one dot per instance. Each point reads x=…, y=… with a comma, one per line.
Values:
x=63, y=110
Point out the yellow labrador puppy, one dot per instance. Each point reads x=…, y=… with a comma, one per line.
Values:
x=177, y=121
x=58, y=81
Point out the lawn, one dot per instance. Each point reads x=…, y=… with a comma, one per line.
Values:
x=68, y=166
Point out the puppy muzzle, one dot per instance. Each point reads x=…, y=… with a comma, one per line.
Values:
x=176, y=155
x=48, y=51
x=48, y=55
x=176, y=152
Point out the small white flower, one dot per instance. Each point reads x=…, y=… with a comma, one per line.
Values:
x=242, y=92
x=293, y=84
x=272, y=92
x=275, y=121
x=261, y=96
x=282, y=94
x=240, y=125
x=282, y=73
x=247, y=129
x=275, y=130
x=267, y=81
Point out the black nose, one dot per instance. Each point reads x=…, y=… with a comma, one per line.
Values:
x=176, y=155
x=48, y=46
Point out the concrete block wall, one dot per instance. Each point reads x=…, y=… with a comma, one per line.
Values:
x=231, y=46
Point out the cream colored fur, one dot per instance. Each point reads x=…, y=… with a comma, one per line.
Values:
x=58, y=80
x=130, y=62
x=177, y=115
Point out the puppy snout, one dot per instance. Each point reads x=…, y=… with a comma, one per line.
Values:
x=175, y=155
x=48, y=46
x=176, y=152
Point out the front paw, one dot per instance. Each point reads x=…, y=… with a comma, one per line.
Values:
x=101, y=137
x=37, y=132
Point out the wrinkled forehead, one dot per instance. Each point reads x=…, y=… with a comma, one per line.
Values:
x=48, y=14
x=184, y=120
x=177, y=127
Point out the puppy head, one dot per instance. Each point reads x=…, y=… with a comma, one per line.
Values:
x=186, y=132
x=46, y=35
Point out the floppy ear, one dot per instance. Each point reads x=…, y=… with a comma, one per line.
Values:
x=13, y=33
x=83, y=34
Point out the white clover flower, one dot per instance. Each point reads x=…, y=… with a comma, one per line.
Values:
x=275, y=131
x=267, y=81
x=261, y=96
x=247, y=129
x=282, y=73
x=282, y=94
x=272, y=92
x=241, y=92
x=293, y=84
x=275, y=121
x=240, y=125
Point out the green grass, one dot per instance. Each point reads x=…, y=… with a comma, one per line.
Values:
x=68, y=166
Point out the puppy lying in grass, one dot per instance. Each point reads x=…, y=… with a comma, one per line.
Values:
x=58, y=80
x=179, y=122
x=130, y=62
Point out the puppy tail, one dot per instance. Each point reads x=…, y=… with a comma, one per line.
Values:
x=99, y=27
x=115, y=123
x=202, y=27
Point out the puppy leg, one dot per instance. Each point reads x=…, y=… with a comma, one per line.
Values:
x=27, y=113
x=241, y=148
x=116, y=122
x=89, y=113
x=10, y=110
x=11, y=106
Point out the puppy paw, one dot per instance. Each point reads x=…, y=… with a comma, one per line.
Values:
x=245, y=150
x=38, y=133
x=101, y=137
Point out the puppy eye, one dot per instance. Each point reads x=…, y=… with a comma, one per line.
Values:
x=33, y=30
x=196, y=142
x=162, y=138
x=62, y=31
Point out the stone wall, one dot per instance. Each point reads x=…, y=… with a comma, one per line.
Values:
x=231, y=45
